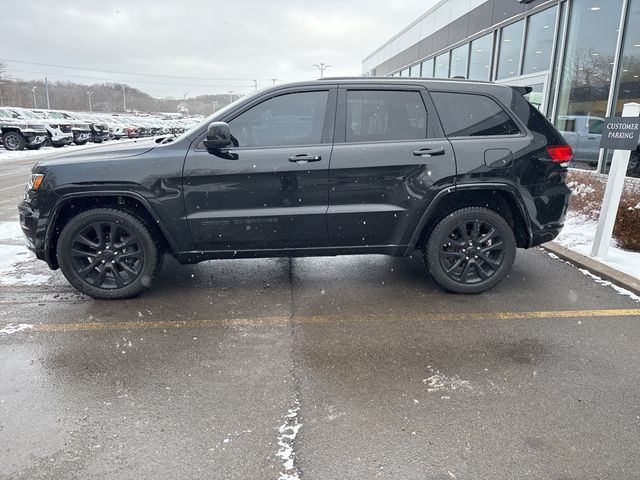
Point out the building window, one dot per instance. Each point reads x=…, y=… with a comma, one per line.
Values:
x=586, y=76
x=381, y=115
x=427, y=68
x=442, y=66
x=405, y=73
x=459, y=59
x=628, y=88
x=510, y=47
x=539, y=43
x=470, y=115
x=480, y=58
x=414, y=70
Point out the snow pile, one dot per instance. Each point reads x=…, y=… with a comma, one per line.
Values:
x=15, y=328
x=577, y=235
x=439, y=382
x=17, y=263
x=288, y=433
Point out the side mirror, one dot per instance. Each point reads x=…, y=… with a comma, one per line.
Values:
x=218, y=136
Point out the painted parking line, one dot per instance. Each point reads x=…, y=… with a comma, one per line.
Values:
x=317, y=319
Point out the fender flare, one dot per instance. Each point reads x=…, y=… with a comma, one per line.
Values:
x=55, y=212
x=444, y=193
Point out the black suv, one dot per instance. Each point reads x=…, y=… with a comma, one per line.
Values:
x=466, y=171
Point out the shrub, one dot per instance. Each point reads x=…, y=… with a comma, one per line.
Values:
x=588, y=192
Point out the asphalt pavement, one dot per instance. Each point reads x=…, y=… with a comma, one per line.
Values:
x=316, y=368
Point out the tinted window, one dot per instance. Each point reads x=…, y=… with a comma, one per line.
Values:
x=292, y=119
x=469, y=115
x=385, y=115
x=566, y=124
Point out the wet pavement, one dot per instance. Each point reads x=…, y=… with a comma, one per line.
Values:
x=320, y=368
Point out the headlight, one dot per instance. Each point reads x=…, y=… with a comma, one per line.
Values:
x=35, y=180
x=53, y=125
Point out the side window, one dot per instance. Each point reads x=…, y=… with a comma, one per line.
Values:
x=290, y=119
x=379, y=115
x=470, y=115
x=596, y=126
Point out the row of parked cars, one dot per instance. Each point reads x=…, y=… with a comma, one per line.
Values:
x=32, y=128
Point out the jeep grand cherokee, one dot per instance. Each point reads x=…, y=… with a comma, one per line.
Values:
x=465, y=171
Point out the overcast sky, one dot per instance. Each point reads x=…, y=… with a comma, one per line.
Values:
x=232, y=42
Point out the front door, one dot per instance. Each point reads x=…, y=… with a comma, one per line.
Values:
x=270, y=191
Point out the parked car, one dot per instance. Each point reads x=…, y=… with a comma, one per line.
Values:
x=99, y=129
x=18, y=134
x=81, y=130
x=329, y=167
x=58, y=131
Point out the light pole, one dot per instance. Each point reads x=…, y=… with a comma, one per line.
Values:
x=89, y=95
x=231, y=92
x=124, y=100
x=255, y=85
x=322, y=67
x=33, y=90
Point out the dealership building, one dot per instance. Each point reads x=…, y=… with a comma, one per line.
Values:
x=581, y=58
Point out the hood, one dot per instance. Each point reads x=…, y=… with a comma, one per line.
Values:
x=80, y=125
x=123, y=149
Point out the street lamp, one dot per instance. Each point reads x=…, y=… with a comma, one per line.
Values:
x=89, y=95
x=35, y=105
x=322, y=67
x=124, y=100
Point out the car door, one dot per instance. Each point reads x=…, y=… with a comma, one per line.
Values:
x=388, y=154
x=269, y=192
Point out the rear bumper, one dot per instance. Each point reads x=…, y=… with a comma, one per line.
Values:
x=545, y=235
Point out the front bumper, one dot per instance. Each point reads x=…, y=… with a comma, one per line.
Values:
x=36, y=139
x=32, y=228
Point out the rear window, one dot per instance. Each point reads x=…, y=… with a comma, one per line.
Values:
x=471, y=115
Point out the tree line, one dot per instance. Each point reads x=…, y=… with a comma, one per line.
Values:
x=106, y=97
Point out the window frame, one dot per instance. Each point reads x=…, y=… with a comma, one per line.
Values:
x=523, y=132
x=434, y=130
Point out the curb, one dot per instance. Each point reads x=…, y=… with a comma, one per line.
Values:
x=603, y=271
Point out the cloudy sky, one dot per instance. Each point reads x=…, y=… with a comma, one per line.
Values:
x=195, y=47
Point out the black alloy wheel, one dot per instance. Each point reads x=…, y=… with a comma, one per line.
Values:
x=471, y=250
x=107, y=254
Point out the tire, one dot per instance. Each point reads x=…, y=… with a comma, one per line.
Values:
x=88, y=255
x=13, y=141
x=470, y=251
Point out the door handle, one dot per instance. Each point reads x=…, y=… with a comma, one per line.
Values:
x=428, y=152
x=305, y=158
x=591, y=138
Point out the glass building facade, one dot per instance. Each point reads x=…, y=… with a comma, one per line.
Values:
x=581, y=59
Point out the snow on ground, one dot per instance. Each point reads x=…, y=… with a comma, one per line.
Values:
x=15, y=328
x=41, y=152
x=578, y=234
x=288, y=433
x=19, y=266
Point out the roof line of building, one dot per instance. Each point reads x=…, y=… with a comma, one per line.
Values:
x=420, y=18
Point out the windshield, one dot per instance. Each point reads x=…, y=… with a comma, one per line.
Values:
x=28, y=114
x=57, y=115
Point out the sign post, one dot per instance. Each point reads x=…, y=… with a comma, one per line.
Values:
x=620, y=134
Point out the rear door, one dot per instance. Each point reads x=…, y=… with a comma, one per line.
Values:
x=388, y=160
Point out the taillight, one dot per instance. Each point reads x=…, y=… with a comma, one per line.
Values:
x=560, y=153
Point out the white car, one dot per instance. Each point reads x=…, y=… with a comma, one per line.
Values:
x=58, y=131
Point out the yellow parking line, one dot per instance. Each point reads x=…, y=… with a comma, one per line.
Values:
x=282, y=320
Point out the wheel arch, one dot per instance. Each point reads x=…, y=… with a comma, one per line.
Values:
x=130, y=202
x=501, y=198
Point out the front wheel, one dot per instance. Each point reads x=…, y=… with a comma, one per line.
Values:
x=108, y=254
x=13, y=141
x=471, y=250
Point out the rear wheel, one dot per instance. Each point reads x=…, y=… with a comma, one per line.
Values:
x=13, y=141
x=471, y=250
x=108, y=254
